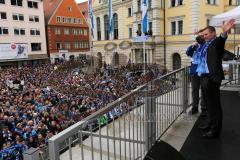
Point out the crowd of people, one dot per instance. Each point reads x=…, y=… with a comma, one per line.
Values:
x=37, y=102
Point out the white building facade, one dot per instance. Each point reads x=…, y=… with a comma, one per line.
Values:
x=22, y=32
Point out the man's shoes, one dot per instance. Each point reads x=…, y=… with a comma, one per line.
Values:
x=211, y=135
x=194, y=111
x=204, y=127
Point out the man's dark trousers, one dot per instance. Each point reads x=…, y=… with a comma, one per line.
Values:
x=196, y=83
x=211, y=91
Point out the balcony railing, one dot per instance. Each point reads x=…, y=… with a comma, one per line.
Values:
x=128, y=127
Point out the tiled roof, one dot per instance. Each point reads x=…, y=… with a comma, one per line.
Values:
x=84, y=8
x=49, y=8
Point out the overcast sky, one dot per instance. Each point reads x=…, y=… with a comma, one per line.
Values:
x=79, y=1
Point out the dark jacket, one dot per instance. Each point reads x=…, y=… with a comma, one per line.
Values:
x=215, y=54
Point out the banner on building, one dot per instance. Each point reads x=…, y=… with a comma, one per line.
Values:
x=13, y=51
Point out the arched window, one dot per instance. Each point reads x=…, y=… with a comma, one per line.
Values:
x=98, y=28
x=149, y=4
x=139, y=5
x=115, y=25
x=99, y=59
x=115, y=62
x=176, y=61
x=106, y=27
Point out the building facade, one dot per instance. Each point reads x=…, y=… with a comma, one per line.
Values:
x=67, y=30
x=172, y=24
x=114, y=49
x=22, y=33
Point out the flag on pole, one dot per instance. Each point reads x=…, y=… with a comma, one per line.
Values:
x=144, y=8
x=90, y=15
x=110, y=16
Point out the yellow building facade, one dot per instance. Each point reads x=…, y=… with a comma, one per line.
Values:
x=172, y=24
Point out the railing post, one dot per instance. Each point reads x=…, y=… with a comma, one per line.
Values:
x=230, y=73
x=150, y=117
x=238, y=75
x=53, y=150
x=185, y=88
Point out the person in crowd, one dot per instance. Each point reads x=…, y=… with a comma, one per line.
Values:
x=211, y=72
x=194, y=52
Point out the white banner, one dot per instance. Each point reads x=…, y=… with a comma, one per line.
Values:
x=140, y=39
x=13, y=51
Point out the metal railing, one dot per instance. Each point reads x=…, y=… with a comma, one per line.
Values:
x=232, y=73
x=128, y=127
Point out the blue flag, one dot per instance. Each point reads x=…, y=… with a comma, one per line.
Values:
x=90, y=15
x=144, y=8
x=110, y=17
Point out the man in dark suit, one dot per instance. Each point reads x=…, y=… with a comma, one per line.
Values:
x=211, y=72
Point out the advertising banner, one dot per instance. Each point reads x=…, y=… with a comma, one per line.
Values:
x=13, y=51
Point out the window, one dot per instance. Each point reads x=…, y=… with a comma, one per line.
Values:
x=238, y=2
x=83, y=12
x=74, y=31
x=85, y=32
x=67, y=45
x=177, y=27
x=139, y=31
x=98, y=28
x=3, y=15
x=129, y=32
x=237, y=28
x=34, y=32
x=33, y=19
x=69, y=9
x=139, y=5
x=58, y=19
x=212, y=2
x=175, y=3
x=180, y=2
x=32, y=4
x=3, y=31
x=115, y=26
x=150, y=28
x=57, y=31
x=106, y=27
x=180, y=27
x=149, y=4
x=59, y=45
x=208, y=22
x=230, y=2
x=129, y=12
x=66, y=31
x=16, y=2
x=36, y=46
x=19, y=31
x=76, y=45
x=18, y=17
x=173, y=28
x=64, y=20
x=2, y=1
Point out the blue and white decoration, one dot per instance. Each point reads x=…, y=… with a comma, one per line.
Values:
x=90, y=15
x=144, y=8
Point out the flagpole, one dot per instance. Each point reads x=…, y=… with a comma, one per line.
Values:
x=90, y=16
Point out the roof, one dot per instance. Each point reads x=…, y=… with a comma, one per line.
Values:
x=49, y=8
x=58, y=8
x=84, y=8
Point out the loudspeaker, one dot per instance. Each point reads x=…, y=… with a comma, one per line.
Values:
x=163, y=151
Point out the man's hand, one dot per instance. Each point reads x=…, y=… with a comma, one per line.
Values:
x=194, y=44
x=228, y=25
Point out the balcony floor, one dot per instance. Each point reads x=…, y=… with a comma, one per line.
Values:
x=227, y=147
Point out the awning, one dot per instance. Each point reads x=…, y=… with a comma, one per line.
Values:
x=219, y=19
